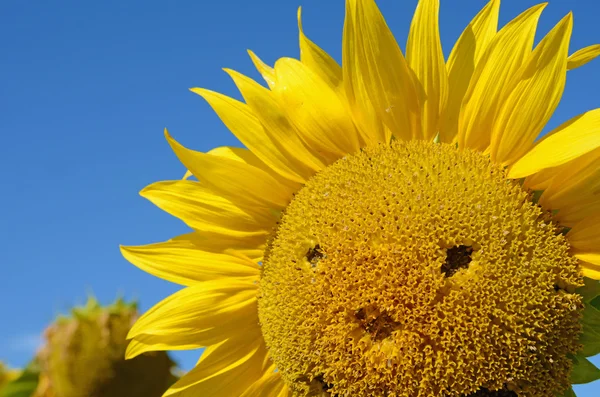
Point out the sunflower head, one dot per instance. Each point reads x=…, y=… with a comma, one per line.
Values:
x=421, y=269
x=83, y=356
x=394, y=227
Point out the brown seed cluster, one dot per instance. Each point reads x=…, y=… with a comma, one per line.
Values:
x=418, y=270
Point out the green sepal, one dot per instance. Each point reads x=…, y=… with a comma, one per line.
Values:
x=93, y=308
x=596, y=302
x=590, y=337
x=590, y=340
x=590, y=291
x=569, y=393
x=276, y=213
x=535, y=197
x=583, y=371
x=24, y=385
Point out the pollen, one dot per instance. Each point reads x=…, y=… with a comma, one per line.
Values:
x=417, y=269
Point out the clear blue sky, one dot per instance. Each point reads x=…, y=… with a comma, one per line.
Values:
x=86, y=88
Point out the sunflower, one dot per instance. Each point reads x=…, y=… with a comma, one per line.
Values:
x=83, y=357
x=393, y=227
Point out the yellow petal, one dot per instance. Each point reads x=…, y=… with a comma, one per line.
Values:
x=540, y=180
x=585, y=235
x=282, y=133
x=318, y=60
x=247, y=157
x=203, y=210
x=466, y=53
x=574, y=138
x=540, y=84
x=315, y=110
x=238, y=181
x=239, y=154
x=376, y=67
x=573, y=184
x=269, y=385
x=584, y=238
x=426, y=59
x=197, y=316
x=267, y=72
x=252, y=247
x=592, y=258
x=491, y=80
x=590, y=270
x=241, y=121
x=135, y=348
x=144, y=343
x=187, y=175
x=578, y=210
x=583, y=56
x=226, y=369
x=366, y=119
x=181, y=262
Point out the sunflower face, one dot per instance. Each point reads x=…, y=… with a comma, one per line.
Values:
x=393, y=227
x=418, y=268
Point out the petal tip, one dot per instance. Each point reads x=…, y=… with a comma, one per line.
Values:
x=124, y=249
x=130, y=352
x=199, y=91
x=233, y=73
x=144, y=192
x=175, y=146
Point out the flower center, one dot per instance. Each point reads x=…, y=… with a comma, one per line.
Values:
x=416, y=269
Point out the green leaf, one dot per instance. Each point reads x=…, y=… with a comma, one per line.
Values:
x=23, y=386
x=583, y=371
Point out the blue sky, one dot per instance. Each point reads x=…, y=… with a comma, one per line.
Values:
x=86, y=89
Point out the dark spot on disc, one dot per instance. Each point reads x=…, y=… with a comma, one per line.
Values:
x=314, y=255
x=457, y=258
x=379, y=324
x=483, y=392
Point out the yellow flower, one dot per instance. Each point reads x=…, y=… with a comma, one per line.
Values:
x=393, y=227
